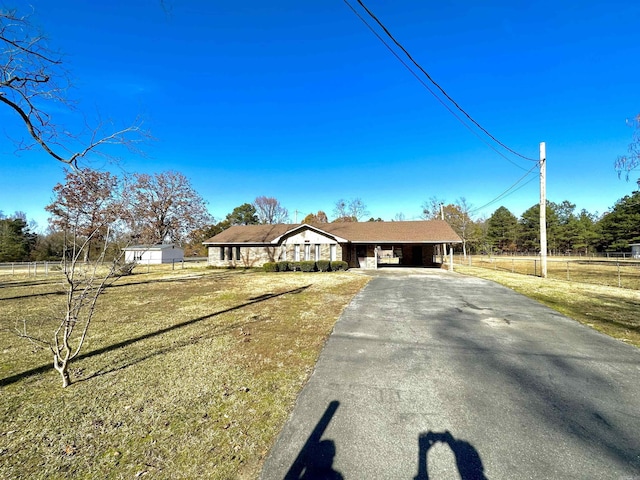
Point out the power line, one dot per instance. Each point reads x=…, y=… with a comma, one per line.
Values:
x=424, y=84
x=509, y=191
x=399, y=45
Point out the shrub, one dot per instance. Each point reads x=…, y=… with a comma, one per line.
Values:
x=270, y=267
x=308, y=266
x=323, y=265
x=283, y=266
x=294, y=266
x=339, y=265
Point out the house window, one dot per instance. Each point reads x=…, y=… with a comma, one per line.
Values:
x=307, y=251
x=230, y=253
x=317, y=253
x=238, y=256
x=221, y=253
x=296, y=253
x=332, y=252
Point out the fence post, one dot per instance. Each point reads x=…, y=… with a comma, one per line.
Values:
x=619, y=282
x=513, y=265
x=568, y=271
x=535, y=267
x=173, y=264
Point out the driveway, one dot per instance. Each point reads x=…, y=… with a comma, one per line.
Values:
x=432, y=375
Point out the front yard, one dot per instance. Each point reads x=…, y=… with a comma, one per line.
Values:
x=186, y=374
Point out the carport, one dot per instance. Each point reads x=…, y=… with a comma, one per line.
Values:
x=406, y=244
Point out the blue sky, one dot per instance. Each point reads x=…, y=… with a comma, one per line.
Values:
x=300, y=101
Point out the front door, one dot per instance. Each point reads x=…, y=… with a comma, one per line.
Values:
x=417, y=255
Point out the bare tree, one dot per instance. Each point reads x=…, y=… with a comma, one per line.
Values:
x=458, y=216
x=629, y=162
x=83, y=281
x=270, y=211
x=431, y=208
x=164, y=207
x=33, y=81
x=89, y=200
x=352, y=211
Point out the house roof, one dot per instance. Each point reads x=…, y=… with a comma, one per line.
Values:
x=426, y=231
x=136, y=248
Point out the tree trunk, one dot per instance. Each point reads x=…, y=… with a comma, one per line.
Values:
x=62, y=366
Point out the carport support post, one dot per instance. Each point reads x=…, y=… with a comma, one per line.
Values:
x=451, y=258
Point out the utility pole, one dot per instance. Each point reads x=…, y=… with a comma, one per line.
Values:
x=444, y=245
x=543, y=210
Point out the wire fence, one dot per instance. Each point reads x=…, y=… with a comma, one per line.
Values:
x=54, y=268
x=619, y=272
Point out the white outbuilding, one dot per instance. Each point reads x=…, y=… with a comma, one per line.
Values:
x=635, y=250
x=153, y=254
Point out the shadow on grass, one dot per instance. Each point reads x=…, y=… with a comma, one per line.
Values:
x=108, y=286
x=43, y=368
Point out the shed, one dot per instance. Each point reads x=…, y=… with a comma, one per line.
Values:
x=635, y=250
x=153, y=254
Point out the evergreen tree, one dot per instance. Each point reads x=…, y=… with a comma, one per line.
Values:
x=502, y=230
x=621, y=226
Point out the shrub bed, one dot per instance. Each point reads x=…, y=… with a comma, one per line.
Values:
x=283, y=266
x=270, y=267
x=323, y=265
x=308, y=266
x=339, y=265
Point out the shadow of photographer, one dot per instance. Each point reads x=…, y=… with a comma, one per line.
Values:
x=468, y=461
x=316, y=457
x=315, y=460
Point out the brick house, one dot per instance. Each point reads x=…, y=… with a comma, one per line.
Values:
x=360, y=244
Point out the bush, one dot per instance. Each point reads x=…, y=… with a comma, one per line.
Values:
x=270, y=267
x=339, y=265
x=308, y=266
x=294, y=266
x=323, y=265
x=283, y=266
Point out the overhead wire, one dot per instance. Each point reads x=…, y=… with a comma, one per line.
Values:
x=429, y=89
x=509, y=191
x=404, y=50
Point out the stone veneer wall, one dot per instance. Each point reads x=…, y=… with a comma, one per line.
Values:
x=256, y=256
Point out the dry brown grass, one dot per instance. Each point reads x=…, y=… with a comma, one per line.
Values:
x=186, y=374
x=614, y=273
x=611, y=310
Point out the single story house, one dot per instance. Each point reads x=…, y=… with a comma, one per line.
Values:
x=635, y=250
x=153, y=254
x=360, y=244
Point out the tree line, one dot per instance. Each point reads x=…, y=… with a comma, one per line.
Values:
x=568, y=231
x=149, y=209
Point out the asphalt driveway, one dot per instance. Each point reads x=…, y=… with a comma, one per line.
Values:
x=433, y=375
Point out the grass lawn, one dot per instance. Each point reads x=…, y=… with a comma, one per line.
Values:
x=185, y=374
x=611, y=310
